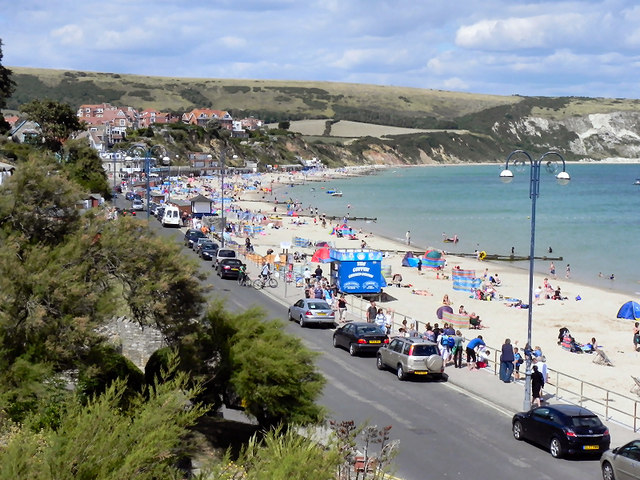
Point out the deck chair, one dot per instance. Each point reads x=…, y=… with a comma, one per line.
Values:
x=636, y=387
x=601, y=358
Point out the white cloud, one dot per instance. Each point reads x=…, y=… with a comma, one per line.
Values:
x=494, y=46
x=68, y=35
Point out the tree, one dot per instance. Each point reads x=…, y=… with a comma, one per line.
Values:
x=272, y=372
x=57, y=121
x=85, y=167
x=101, y=440
x=284, y=125
x=7, y=85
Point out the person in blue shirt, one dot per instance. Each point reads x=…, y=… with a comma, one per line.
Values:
x=471, y=351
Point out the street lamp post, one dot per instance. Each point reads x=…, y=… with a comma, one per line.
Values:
x=148, y=152
x=222, y=196
x=534, y=190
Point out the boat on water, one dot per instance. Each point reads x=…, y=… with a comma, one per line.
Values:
x=446, y=239
x=637, y=182
x=336, y=194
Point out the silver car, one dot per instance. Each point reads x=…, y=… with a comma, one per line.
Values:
x=622, y=462
x=312, y=310
x=410, y=356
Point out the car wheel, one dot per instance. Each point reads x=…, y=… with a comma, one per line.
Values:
x=517, y=430
x=555, y=447
x=401, y=374
x=335, y=342
x=290, y=317
x=607, y=471
x=302, y=322
x=379, y=363
x=353, y=350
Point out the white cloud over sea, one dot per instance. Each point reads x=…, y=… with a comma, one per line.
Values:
x=530, y=47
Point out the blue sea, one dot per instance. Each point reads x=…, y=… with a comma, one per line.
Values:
x=593, y=222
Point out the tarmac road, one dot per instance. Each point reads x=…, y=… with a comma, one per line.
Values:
x=444, y=431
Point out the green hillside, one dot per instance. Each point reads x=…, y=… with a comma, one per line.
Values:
x=422, y=126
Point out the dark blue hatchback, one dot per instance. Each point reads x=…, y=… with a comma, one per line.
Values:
x=563, y=429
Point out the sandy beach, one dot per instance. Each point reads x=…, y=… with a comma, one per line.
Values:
x=591, y=316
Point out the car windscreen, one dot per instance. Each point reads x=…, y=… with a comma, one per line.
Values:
x=424, y=350
x=369, y=329
x=586, y=421
x=319, y=306
x=232, y=262
x=226, y=253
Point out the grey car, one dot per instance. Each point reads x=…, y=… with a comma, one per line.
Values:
x=312, y=310
x=410, y=356
x=621, y=462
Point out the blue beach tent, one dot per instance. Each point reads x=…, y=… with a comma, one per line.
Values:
x=630, y=311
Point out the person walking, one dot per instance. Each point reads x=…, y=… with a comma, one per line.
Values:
x=506, y=361
x=552, y=270
x=419, y=266
x=342, y=308
x=537, y=383
x=372, y=312
x=457, y=349
x=517, y=361
x=407, y=237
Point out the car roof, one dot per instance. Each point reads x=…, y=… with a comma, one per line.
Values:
x=571, y=410
x=417, y=340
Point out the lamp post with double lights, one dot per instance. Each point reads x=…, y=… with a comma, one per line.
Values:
x=222, y=154
x=506, y=176
x=147, y=152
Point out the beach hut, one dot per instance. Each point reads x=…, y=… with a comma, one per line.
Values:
x=357, y=271
x=629, y=311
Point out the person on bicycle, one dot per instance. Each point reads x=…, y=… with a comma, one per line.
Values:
x=242, y=274
x=266, y=271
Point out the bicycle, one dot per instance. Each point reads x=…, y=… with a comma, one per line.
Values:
x=267, y=281
x=244, y=280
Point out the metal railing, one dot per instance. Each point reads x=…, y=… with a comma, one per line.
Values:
x=611, y=405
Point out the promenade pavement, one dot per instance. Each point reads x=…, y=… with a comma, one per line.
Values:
x=482, y=385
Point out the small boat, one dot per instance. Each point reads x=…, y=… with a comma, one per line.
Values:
x=637, y=182
x=336, y=194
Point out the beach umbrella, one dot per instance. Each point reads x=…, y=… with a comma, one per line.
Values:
x=442, y=309
x=433, y=254
x=321, y=255
x=630, y=311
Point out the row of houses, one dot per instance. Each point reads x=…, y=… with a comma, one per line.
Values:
x=108, y=124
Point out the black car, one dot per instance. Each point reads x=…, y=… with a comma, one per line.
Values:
x=191, y=236
x=208, y=250
x=563, y=429
x=229, y=268
x=359, y=337
x=129, y=196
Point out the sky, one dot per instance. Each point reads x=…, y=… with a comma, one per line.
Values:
x=585, y=48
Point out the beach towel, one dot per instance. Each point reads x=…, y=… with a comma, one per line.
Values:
x=465, y=280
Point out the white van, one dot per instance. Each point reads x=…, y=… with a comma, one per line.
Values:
x=171, y=216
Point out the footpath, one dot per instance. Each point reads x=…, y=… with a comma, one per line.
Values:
x=482, y=384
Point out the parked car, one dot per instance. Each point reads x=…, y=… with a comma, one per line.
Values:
x=208, y=250
x=129, y=195
x=137, y=205
x=410, y=356
x=159, y=213
x=198, y=242
x=191, y=236
x=223, y=253
x=563, y=429
x=359, y=337
x=170, y=216
x=229, y=268
x=622, y=462
x=312, y=310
